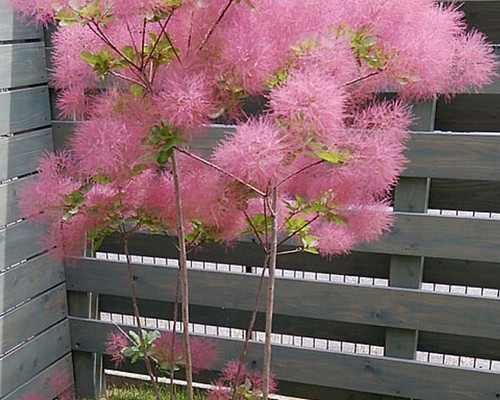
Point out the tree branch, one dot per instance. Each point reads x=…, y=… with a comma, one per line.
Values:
x=217, y=168
x=212, y=28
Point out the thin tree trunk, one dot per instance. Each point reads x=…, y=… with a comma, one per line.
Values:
x=172, y=344
x=184, y=278
x=273, y=253
x=133, y=289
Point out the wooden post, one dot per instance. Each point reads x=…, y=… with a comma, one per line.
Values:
x=88, y=367
x=411, y=195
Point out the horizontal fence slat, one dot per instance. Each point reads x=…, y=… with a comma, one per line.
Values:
x=468, y=113
x=250, y=254
x=439, y=236
x=432, y=155
x=24, y=109
x=33, y=357
x=473, y=195
x=29, y=280
x=32, y=318
x=462, y=273
x=22, y=64
x=11, y=28
x=364, y=264
x=9, y=211
x=40, y=384
x=454, y=156
x=337, y=370
x=19, y=154
x=19, y=242
x=379, y=306
x=483, y=15
x=458, y=345
x=238, y=319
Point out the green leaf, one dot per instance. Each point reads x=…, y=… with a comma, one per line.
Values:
x=97, y=243
x=129, y=52
x=103, y=179
x=311, y=250
x=329, y=156
x=136, y=90
x=163, y=156
x=67, y=16
x=89, y=57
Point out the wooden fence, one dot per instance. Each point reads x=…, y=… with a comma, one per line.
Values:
x=402, y=317
x=34, y=330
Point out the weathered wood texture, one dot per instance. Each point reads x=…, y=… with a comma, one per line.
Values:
x=12, y=29
x=9, y=210
x=34, y=330
x=22, y=64
x=62, y=369
x=372, y=265
x=33, y=357
x=379, y=306
x=346, y=371
x=19, y=153
x=24, y=109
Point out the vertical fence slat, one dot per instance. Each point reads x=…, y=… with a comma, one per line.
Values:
x=89, y=374
x=411, y=195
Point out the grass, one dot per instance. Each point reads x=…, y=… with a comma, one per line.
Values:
x=144, y=392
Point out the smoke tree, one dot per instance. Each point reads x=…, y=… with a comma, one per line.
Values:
x=316, y=167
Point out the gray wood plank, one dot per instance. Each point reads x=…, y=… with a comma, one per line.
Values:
x=365, y=264
x=230, y=318
x=379, y=306
x=20, y=242
x=19, y=154
x=432, y=155
x=33, y=357
x=249, y=254
x=439, y=236
x=32, y=318
x=463, y=273
x=469, y=113
x=411, y=195
x=379, y=375
x=483, y=15
x=22, y=64
x=470, y=195
x=29, y=280
x=9, y=210
x=24, y=109
x=90, y=382
x=11, y=28
x=40, y=383
x=458, y=345
x=454, y=156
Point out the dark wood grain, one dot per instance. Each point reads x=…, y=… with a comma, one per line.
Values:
x=379, y=306
x=360, y=373
x=33, y=357
x=32, y=318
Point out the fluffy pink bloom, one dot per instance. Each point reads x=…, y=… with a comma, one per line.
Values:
x=221, y=387
x=32, y=396
x=116, y=145
x=58, y=175
x=114, y=345
x=69, y=69
x=255, y=153
x=311, y=105
x=185, y=100
x=203, y=352
x=61, y=384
